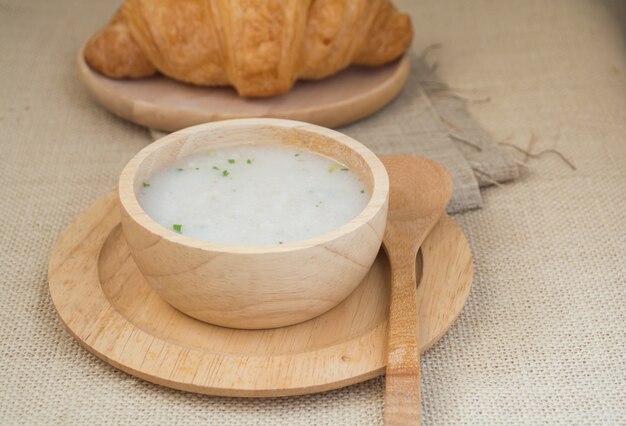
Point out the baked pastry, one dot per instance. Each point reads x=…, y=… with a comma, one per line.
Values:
x=261, y=47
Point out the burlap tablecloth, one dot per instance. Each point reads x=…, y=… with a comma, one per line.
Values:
x=542, y=338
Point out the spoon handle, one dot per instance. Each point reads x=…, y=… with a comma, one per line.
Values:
x=402, y=390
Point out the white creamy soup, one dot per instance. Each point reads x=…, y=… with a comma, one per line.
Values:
x=254, y=195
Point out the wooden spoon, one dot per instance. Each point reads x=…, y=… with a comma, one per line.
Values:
x=419, y=192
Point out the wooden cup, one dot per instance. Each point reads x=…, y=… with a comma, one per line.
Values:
x=254, y=286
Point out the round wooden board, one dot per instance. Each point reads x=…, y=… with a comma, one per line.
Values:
x=162, y=103
x=109, y=308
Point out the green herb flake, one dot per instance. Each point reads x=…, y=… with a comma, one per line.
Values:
x=231, y=161
x=146, y=185
x=334, y=167
x=216, y=168
x=296, y=155
x=179, y=169
x=249, y=161
x=197, y=168
x=362, y=191
x=280, y=242
x=177, y=227
x=345, y=169
x=225, y=173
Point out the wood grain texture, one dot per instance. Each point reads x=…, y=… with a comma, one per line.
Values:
x=161, y=103
x=255, y=287
x=419, y=192
x=104, y=302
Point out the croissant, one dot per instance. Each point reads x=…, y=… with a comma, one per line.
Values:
x=261, y=47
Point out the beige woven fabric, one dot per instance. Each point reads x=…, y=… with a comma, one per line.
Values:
x=542, y=339
x=489, y=162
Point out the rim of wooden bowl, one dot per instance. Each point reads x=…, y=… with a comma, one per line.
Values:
x=378, y=198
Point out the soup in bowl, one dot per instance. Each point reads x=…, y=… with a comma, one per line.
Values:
x=254, y=223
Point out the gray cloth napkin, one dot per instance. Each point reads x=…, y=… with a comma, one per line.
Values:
x=489, y=163
x=428, y=119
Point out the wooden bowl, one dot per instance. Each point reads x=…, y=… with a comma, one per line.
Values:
x=254, y=286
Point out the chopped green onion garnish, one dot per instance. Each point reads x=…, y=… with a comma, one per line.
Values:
x=215, y=168
x=146, y=184
x=179, y=169
x=296, y=155
x=345, y=169
x=231, y=161
x=280, y=242
x=197, y=168
x=225, y=173
x=362, y=191
x=334, y=167
x=177, y=227
x=249, y=161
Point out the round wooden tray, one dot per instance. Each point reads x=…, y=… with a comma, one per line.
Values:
x=162, y=103
x=109, y=308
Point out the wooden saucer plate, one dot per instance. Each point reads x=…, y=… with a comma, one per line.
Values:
x=165, y=104
x=105, y=303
